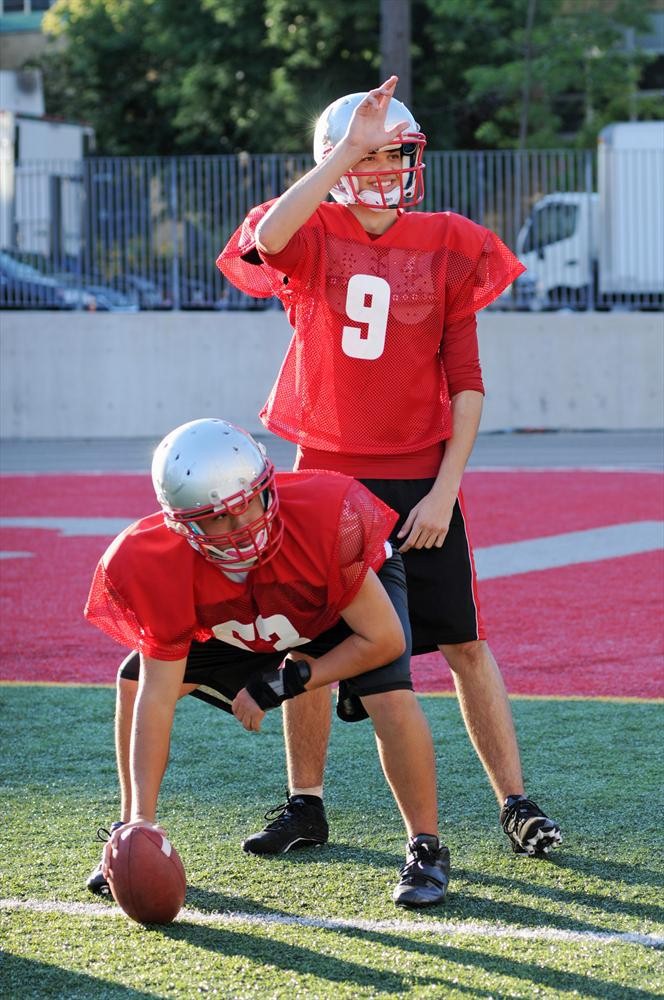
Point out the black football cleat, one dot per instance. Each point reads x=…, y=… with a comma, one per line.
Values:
x=530, y=830
x=97, y=883
x=298, y=822
x=424, y=878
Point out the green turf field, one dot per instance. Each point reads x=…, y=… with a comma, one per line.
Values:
x=320, y=923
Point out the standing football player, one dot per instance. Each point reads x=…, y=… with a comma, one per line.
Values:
x=239, y=568
x=382, y=381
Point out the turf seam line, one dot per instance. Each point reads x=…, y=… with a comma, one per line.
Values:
x=612, y=698
x=413, y=926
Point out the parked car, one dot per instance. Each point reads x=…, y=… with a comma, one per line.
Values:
x=147, y=292
x=99, y=297
x=23, y=286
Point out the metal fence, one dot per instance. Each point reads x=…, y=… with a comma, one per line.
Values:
x=144, y=232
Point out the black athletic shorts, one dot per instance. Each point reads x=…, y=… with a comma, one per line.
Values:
x=221, y=670
x=442, y=584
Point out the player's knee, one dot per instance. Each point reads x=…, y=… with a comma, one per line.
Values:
x=465, y=657
x=390, y=708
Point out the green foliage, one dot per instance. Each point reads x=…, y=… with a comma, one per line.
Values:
x=567, y=70
x=320, y=923
x=214, y=76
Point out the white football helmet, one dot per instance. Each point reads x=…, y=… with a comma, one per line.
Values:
x=208, y=467
x=331, y=128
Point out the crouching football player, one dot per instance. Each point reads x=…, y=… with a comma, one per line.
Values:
x=240, y=568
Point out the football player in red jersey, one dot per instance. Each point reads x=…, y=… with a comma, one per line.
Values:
x=241, y=568
x=382, y=381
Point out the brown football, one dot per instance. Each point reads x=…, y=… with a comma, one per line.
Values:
x=146, y=876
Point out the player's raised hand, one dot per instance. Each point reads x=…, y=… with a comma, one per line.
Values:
x=366, y=130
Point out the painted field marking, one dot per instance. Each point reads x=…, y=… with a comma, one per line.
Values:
x=569, y=549
x=437, y=927
x=70, y=527
x=509, y=559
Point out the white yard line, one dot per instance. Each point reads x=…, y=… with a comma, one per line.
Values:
x=437, y=928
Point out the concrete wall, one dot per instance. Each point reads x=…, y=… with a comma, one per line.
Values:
x=70, y=375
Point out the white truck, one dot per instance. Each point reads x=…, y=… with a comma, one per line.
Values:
x=605, y=249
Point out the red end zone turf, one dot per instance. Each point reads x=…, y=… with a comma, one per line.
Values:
x=589, y=629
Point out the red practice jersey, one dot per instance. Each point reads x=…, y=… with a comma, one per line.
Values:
x=364, y=373
x=153, y=592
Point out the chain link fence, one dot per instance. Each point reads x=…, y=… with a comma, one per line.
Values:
x=128, y=233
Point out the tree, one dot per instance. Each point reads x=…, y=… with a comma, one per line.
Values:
x=556, y=56
x=158, y=76
x=212, y=76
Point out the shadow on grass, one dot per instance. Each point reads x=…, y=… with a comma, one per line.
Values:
x=27, y=978
x=441, y=968
x=615, y=871
x=607, y=872
x=265, y=951
x=529, y=972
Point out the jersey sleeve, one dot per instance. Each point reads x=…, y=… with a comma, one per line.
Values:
x=479, y=268
x=147, y=611
x=362, y=543
x=460, y=356
x=241, y=263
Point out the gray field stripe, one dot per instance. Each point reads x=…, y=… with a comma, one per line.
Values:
x=71, y=527
x=436, y=927
x=549, y=552
x=569, y=549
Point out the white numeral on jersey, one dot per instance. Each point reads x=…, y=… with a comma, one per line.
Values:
x=368, y=302
x=276, y=628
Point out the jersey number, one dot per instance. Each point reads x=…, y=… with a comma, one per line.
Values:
x=275, y=629
x=367, y=302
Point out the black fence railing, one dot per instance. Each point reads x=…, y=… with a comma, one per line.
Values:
x=127, y=233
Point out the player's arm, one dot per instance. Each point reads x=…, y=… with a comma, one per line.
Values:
x=377, y=639
x=427, y=523
x=159, y=688
x=366, y=132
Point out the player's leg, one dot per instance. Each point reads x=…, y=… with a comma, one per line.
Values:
x=488, y=717
x=445, y=614
x=220, y=671
x=300, y=821
x=486, y=713
x=405, y=749
x=484, y=702
x=307, y=723
x=126, y=688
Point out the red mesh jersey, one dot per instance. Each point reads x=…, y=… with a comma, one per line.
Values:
x=363, y=372
x=153, y=592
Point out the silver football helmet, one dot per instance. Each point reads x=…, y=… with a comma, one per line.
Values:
x=332, y=126
x=209, y=467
